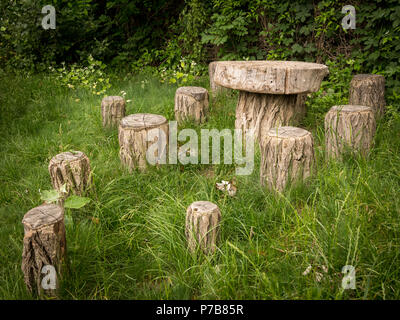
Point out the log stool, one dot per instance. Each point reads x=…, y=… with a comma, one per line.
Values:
x=137, y=133
x=44, y=245
x=70, y=168
x=368, y=90
x=191, y=103
x=287, y=154
x=202, y=226
x=112, y=110
x=349, y=126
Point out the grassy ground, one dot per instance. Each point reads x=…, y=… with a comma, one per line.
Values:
x=347, y=214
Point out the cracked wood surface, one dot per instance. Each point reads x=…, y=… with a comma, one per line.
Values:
x=191, y=103
x=112, y=110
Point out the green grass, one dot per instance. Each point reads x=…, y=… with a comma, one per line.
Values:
x=347, y=214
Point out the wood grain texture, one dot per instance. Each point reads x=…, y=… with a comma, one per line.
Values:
x=73, y=169
x=133, y=135
x=203, y=220
x=112, y=110
x=44, y=244
x=287, y=154
x=368, y=90
x=349, y=127
x=270, y=77
x=191, y=104
x=214, y=88
x=262, y=112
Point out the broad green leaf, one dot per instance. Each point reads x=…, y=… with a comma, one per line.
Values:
x=76, y=202
x=50, y=195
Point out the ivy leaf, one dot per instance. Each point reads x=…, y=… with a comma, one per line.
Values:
x=76, y=202
x=50, y=195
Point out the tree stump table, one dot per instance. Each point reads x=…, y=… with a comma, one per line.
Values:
x=71, y=168
x=349, y=127
x=368, y=90
x=191, y=103
x=44, y=245
x=287, y=154
x=272, y=93
x=202, y=226
x=112, y=110
x=137, y=134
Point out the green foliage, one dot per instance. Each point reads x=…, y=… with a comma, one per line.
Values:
x=91, y=76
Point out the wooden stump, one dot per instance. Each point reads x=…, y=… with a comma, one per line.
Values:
x=112, y=110
x=191, y=103
x=137, y=132
x=262, y=112
x=70, y=168
x=368, y=90
x=215, y=89
x=349, y=126
x=202, y=226
x=44, y=245
x=287, y=154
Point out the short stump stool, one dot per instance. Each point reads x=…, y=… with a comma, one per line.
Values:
x=143, y=138
x=350, y=127
x=287, y=154
x=191, y=104
x=112, y=110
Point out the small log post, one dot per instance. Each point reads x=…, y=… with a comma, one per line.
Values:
x=44, y=245
x=137, y=133
x=215, y=89
x=191, y=103
x=202, y=226
x=368, y=90
x=112, y=110
x=73, y=169
x=349, y=127
x=287, y=154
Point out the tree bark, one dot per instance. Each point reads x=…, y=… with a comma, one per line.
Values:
x=112, y=110
x=191, y=103
x=203, y=220
x=215, y=89
x=368, y=90
x=134, y=132
x=349, y=127
x=44, y=244
x=262, y=112
x=287, y=155
x=70, y=168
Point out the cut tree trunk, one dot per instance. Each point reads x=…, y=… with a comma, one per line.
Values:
x=368, y=90
x=287, y=155
x=215, y=89
x=349, y=127
x=44, y=245
x=112, y=110
x=262, y=112
x=203, y=220
x=137, y=133
x=191, y=103
x=70, y=168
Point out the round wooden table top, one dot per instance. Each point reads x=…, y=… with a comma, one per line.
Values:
x=270, y=77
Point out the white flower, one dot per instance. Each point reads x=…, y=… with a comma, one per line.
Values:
x=307, y=271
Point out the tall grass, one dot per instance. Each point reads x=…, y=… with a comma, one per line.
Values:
x=128, y=243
